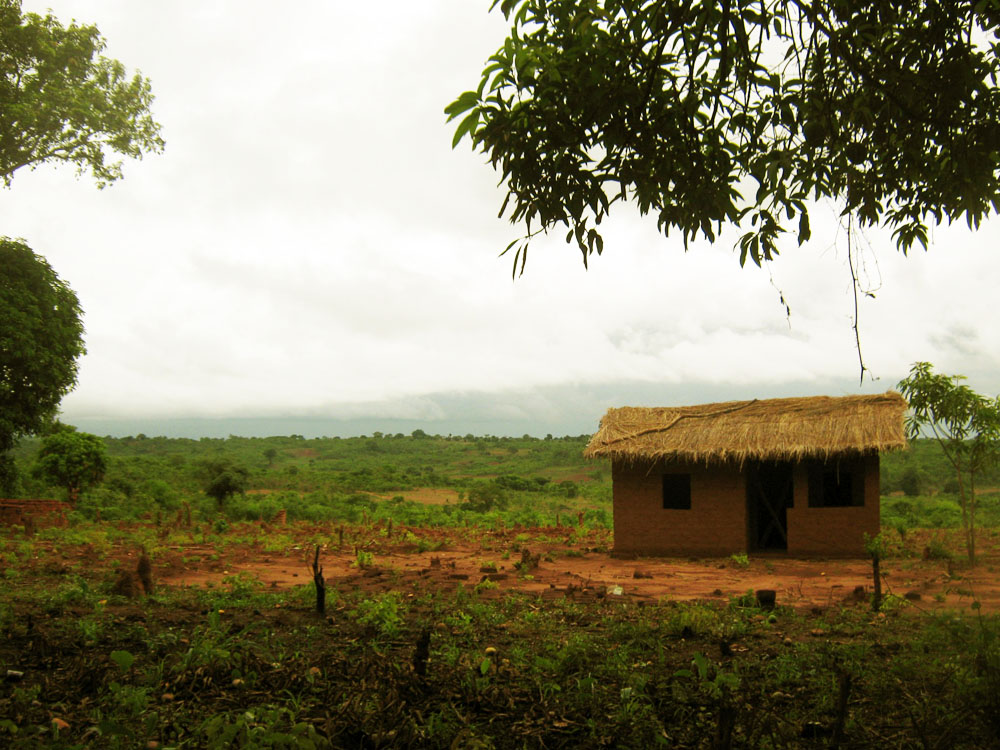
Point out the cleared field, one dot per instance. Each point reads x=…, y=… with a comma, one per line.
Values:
x=465, y=637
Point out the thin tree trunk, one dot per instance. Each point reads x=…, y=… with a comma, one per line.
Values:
x=877, y=576
x=320, y=584
x=972, y=520
x=844, y=684
x=965, y=498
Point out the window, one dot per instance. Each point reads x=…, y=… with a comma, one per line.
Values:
x=677, y=491
x=835, y=485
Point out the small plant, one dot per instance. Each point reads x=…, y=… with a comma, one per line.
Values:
x=936, y=550
x=383, y=613
x=243, y=585
x=748, y=599
x=124, y=659
x=740, y=559
x=90, y=629
x=485, y=585
x=363, y=559
x=876, y=548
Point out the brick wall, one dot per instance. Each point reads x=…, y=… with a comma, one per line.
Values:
x=15, y=511
x=834, y=532
x=716, y=523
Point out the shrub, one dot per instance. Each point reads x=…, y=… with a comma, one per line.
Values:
x=910, y=483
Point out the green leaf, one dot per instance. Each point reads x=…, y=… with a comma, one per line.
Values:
x=123, y=659
x=463, y=103
x=467, y=126
x=805, y=232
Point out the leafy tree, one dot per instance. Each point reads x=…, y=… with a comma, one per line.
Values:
x=484, y=497
x=73, y=460
x=910, y=482
x=223, y=479
x=965, y=425
x=61, y=100
x=739, y=112
x=270, y=454
x=41, y=338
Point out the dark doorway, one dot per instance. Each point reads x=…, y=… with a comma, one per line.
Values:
x=770, y=491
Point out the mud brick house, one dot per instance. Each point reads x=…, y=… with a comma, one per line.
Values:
x=47, y=512
x=794, y=475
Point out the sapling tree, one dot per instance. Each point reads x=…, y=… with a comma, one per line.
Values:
x=965, y=424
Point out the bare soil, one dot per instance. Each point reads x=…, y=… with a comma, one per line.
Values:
x=569, y=563
x=569, y=568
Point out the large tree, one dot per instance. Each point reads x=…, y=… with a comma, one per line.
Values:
x=740, y=112
x=62, y=101
x=41, y=337
x=223, y=478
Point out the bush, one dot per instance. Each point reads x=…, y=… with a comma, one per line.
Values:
x=569, y=488
x=486, y=496
x=910, y=483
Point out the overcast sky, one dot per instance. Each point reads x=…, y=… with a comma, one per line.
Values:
x=309, y=245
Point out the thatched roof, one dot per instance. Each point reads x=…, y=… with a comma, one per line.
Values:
x=769, y=429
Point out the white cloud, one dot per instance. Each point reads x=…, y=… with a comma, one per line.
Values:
x=310, y=242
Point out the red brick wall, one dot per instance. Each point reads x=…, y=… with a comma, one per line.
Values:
x=834, y=532
x=14, y=511
x=715, y=525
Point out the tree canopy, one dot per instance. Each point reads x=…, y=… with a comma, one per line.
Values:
x=40, y=341
x=224, y=478
x=72, y=460
x=740, y=112
x=61, y=100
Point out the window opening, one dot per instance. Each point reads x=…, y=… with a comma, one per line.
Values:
x=677, y=491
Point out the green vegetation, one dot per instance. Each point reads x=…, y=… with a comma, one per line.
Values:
x=242, y=664
x=431, y=481
x=471, y=481
x=223, y=478
x=40, y=341
x=73, y=460
x=65, y=102
x=966, y=427
x=61, y=101
x=400, y=659
x=738, y=113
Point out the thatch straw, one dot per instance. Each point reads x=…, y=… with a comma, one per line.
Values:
x=779, y=429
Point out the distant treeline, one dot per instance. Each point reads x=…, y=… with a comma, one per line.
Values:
x=485, y=479
x=491, y=479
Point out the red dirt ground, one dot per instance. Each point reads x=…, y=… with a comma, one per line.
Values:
x=567, y=571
